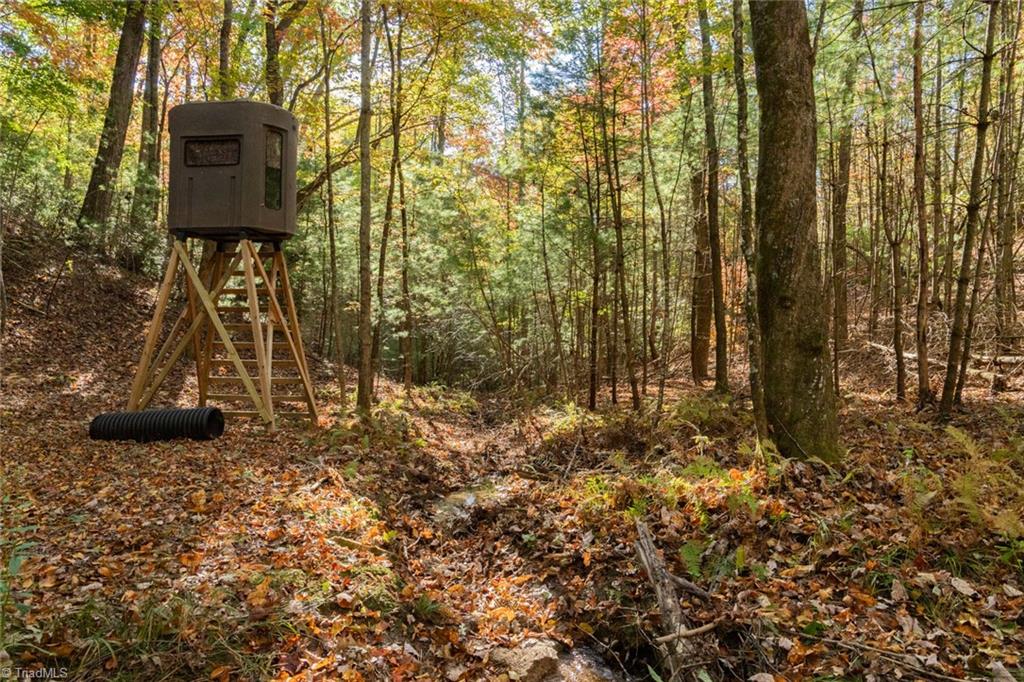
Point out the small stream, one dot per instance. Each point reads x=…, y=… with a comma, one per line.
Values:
x=580, y=664
x=583, y=665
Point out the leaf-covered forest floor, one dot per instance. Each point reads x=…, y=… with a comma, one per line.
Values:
x=454, y=526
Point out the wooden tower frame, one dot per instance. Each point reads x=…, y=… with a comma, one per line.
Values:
x=199, y=326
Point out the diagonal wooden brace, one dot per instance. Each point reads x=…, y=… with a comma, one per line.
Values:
x=293, y=346
x=190, y=334
x=211, y=313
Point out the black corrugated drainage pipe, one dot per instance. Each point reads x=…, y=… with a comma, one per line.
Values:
x=197, y=423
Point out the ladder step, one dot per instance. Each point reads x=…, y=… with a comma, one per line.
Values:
x=239, y=397
x=253, y=413
x=247, y=326
x=250, y=362
x=237, y=381
x=232, y=309
x=236, y=344
x=242, y=291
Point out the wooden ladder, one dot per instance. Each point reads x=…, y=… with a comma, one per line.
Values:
x=240, y=318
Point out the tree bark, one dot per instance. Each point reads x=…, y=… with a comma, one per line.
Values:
x=700, y=308
x=714, y=235
x=1005, y=228
x=100, y=194
x=799, y=398
x=924, y=390
x=224, y=83
x=747, y=227
x=273, y=32
x=956, y=336
x=364, y=396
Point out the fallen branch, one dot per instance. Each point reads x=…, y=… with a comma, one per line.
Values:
x=693, y=632
x=691, y=588
x=680, y=651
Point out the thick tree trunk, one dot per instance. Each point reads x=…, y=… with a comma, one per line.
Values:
x=714, y=235
x=956, y=336
x=747, y=227
x=799, y=398
x=924, y=391
x=700, y=308
x=364, y=395
x=100, y=194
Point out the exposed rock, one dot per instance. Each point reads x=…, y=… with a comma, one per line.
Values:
x=531, y=661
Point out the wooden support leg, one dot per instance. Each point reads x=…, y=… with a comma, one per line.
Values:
x=142, y=372
x=293, y=317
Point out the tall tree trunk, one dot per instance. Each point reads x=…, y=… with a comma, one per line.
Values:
x=956, y=336
x=407, y=325
x=338, y=345
x=951, y=229
x=648, y=115
x=395, y=106
x=979, y=266
x=273, y=32
x=145, y=202
x=224, y=81
x=594, y=213
x=1005, y=227
x=714, y=235
x=556, y=321
x=841, y=191
x=924, y=390
x=364, y=395
x=610, y=147
x=799, y=398
x=890, y=218
x=700, y=308
x=937, y=154
x=100, y=194
x=747, y=227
